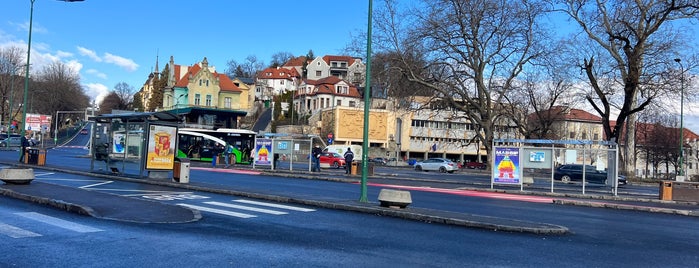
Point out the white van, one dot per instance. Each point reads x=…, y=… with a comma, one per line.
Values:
x=341, y=149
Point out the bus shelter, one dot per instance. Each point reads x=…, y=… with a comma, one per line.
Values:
x=517, y=162
x=283, y=151
x=134, y=143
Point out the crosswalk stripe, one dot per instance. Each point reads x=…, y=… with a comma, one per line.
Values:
x=58, y=222
x=16, y=232
x=274, y=205
x=218, y=211
x=261, y=210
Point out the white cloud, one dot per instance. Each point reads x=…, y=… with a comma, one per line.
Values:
x=89, y=53
x=64, y=54
x=96, y=73
x=74, y=66
x=96, y=92
x=125, y=63
x=25, y=27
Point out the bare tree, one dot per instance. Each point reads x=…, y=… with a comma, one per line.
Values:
x=125, y=92
x=11, y=80
x=631, y=42
x=57, y=87
x=474, y=50
x=279, y=58
x=247, y=69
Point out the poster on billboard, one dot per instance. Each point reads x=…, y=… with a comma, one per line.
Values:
x=37, y=122
x=263, y=152
x=161, y=147
x=118, y=143
x=507, y=167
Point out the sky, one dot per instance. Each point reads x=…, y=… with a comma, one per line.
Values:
x=110, y=41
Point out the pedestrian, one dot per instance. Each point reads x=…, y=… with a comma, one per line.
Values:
x=227, y=155
x=316, y=159
x=216, y=151
x=349, y=157
x=24, y=145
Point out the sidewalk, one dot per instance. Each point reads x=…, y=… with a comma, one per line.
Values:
x=115, y=207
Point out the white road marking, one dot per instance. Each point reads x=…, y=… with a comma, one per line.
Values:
x=58, y=222
x=218, y=211
x=261, y=210
x=274, y=205
x=96, y=184
x=16, y=232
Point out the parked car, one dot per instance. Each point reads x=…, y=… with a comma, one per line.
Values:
x=334, y=160
x=379, y=161
x=11, y=142
x=83, y=131
x=436, y=164
x=573, y=172
x=475, y=165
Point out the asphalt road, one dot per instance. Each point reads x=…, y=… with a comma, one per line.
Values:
x=32, y=235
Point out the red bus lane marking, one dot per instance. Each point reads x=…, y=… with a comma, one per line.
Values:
x=225, y=170
x=514, y=197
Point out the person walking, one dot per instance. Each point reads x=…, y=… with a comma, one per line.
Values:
x=349, y=157
x=24, y=144
x=227, y=155
x=315, y=155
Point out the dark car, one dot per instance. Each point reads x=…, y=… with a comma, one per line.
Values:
x=574, y=172
x=476, y=165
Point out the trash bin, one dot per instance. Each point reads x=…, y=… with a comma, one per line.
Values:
x=665, y=190
x=180, y=171
x=32, y=156
x=41, y=158
x=357, y=168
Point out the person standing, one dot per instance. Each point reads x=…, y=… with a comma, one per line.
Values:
x=227, y=155
x=316, y=159
x=24, y=145
x=349, y=157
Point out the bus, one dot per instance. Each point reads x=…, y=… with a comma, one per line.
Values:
x=201, y=144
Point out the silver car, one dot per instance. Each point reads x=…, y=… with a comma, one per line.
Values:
x=11, y=142
x=436, y=164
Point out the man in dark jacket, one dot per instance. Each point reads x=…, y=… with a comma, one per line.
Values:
x=25, y=143
x=315, y=155
x=349, y=156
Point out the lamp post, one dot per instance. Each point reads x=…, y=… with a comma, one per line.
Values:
x=26, y=70
x=681, y=162
x=367, y=91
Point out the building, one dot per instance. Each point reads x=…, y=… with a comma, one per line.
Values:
x=344, y=67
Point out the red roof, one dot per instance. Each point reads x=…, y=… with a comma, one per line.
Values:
x=347, y=59
x=278, y=73
x=182, y=80
x=327, y=86
x=297, y=61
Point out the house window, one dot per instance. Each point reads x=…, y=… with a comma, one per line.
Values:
x=281, y=82
x=339, y=102
x=595, y=136
x=352, y=104
x=207, y=82
x=584, y=136
x=319, y=73
x=227, y=102
x=197, y=99
x=208, y=100
x=199, y=82
x=571, y=135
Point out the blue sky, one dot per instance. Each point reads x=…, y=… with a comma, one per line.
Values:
x=110, y=41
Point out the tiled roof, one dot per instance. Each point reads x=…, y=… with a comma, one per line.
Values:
x=327, y=86
x=329, y=58
x=226, y=84
x=184, y=80
x=297, y=61
x=278, y=73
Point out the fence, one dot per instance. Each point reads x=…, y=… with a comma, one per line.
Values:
x=534, y=162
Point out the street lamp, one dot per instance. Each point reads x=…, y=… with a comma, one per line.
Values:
x=681, y=162
x=26, y=70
